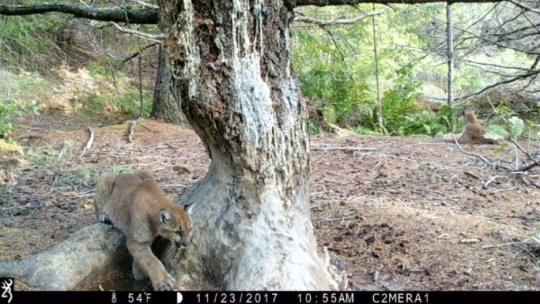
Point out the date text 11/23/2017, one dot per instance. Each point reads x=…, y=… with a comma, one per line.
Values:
x=275, y=297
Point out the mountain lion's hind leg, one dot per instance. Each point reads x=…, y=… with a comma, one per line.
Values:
x=104, y=187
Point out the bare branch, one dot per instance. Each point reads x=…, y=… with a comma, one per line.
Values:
x=139, y=52
x=146, y=4
x=154, y=38
x=354, y=2
x=519, y=77
x=526, y=28
x=534, y=161
x=473, y=35
x=140, y=16
x=310, y=20
x=524, y=7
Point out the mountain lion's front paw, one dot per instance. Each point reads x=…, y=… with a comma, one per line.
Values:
x=166, y=283
x=103, y=218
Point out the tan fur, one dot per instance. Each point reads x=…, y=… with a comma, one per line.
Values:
x=135, y=205
x=474, y=132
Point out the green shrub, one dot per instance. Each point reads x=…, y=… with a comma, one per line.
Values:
x=9, y=108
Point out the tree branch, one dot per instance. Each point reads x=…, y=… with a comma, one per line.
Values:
x=306, y=19
x=534, y=161
x=354, y=2
x=150, y=15
x=140, y=16
x=524, y=7
x=154, y=38
x=139, y=52
x=519, y=77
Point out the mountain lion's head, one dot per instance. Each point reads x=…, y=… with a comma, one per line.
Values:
x=175, y=224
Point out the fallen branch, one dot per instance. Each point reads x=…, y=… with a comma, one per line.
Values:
x=500, y=245
x=89, y=143
x=498, y=166
x=486, y=184
x=529, y=166
x=528, y=182
x=480, y=157
x=342, y=148
x=473, y=175
x=131, y=128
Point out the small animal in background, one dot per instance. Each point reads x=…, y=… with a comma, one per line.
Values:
x=135, y=205
x=473, y=132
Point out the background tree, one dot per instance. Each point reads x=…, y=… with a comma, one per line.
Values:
x=450, y=52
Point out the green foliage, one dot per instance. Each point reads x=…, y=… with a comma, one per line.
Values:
x=28, y=42
x=47, y=155
x=498, y=132
x=101, y=68
x=339, y=71
x=9, y=108
x=506, y=117
x=128, y=103
x=516, y=126
x=533, y=130
x=336, y=65
x=117, y=169
x=399, y=107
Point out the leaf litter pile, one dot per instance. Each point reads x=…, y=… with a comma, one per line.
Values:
x=395, y=213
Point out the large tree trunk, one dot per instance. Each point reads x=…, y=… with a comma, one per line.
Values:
x=231, y=68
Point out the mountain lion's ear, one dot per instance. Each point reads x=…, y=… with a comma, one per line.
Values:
x=164, y=216
x=189, y=208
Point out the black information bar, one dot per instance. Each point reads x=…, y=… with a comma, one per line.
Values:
x=268, y=297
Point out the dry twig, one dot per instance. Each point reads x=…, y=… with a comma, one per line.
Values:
x=529, y=166
x=473, y=175
x=342, y=148
x=89, y=143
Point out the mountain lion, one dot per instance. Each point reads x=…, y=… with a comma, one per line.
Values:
x=473, y=133
x=135, y=205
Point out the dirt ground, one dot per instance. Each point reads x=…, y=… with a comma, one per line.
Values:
x=406, y=214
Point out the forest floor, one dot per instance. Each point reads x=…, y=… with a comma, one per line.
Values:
x=410, y=214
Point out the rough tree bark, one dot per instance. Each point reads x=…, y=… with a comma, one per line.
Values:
x=231, y=68
x=163, y=105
